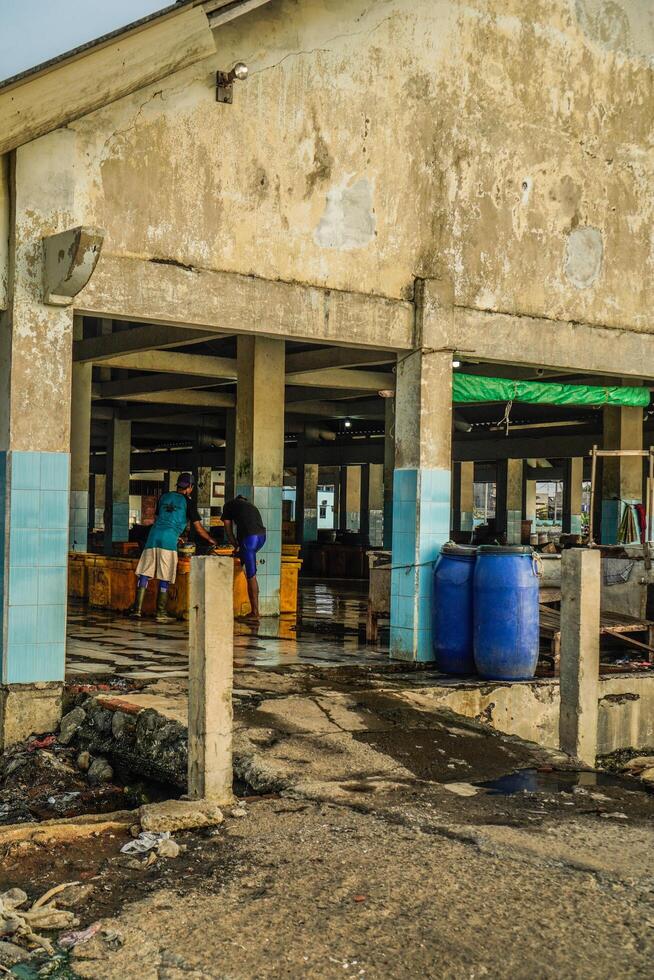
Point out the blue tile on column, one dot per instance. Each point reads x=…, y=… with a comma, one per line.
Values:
x=25, y=471
x=55, y=471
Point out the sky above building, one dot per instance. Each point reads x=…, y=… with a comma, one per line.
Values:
x=33, y=31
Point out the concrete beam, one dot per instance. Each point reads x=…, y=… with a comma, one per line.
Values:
x=364, y=409
x=343, y=378
x=151, y=336
x=199, y=399
x=90, y=78
x=534, y=341
x=175, y=362
x=169, y=292
x=127, y=387
x=322, y=358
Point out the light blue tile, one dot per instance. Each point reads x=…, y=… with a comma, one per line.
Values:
x=25, y=471
x=52, y=585
x=22, y=624
x=23, y=547
x=424, y=616
x=407, y=582
x=79, y=517
x=55, y=471
x=424, y=647
x=54, y=509
x=51, y=623
x=79, y=499
x=23, y=586
x=406, y=612
x=31, y=662
x=25, y=508
x=53, y=548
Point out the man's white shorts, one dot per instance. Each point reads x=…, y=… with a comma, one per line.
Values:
x=158, y=563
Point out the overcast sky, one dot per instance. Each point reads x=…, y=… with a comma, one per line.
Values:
x=33, y=31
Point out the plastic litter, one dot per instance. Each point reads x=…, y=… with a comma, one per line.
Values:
x=145, y=841
x=70, y=939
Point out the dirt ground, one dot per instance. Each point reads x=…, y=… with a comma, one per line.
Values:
x=382, y=855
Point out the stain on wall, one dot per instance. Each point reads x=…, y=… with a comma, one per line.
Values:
x=583, y=256
x=348, y=221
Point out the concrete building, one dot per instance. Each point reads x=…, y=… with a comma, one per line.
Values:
x=196, y=271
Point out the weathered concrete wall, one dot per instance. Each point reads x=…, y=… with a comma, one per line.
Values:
x=501, y=145
x=531, y=709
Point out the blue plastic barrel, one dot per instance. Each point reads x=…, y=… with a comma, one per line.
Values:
x=506, y=620
x=452, y=609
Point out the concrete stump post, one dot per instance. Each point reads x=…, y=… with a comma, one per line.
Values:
x=211, y=669
x=580, y=619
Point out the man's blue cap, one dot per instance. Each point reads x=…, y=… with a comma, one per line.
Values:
x=185, y=480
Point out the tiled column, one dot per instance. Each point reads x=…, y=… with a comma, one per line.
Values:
x=467, y=498
x=306, y=505
x=576, y=471
x=530, y=503
x=35, y=382
x=80, y=444
x=259, y=460
x=230, y=450
x=421, y=495
x=389, y=469
x=353, y=497
x=623, y=475
x=514, y=471
x=119, y=449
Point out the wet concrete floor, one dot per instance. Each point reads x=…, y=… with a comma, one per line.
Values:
x=329, y=630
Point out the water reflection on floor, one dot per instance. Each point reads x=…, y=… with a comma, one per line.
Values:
x=329, y=630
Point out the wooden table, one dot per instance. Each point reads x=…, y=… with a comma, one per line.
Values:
x=611, y=624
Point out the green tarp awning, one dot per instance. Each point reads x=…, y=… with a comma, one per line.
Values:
x=475, y=388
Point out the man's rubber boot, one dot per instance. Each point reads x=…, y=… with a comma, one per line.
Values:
x=137, y=608
x=162, y=614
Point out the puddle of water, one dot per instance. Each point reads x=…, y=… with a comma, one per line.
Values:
x=535, y=781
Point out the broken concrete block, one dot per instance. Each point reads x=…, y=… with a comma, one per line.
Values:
x=123, y=725
x=70, y=724
x=647, y=775
x=84, y=760
x=100, y=771
x=640, y=762
x=175, y=815
x=10, y=955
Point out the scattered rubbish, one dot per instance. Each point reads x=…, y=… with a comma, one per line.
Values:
x=44, y=899
x=41, y=743
x=557, y=781
x=615, y=816
x=70, y=939
x=168, y=848
x=70, y=723
x=23, y=925
x=461, y=789
x=360, y=898
x=238, y=811
x=64, y=799
x=84, y=761
x=145, y=841
x=150, y=859
x=100, y=771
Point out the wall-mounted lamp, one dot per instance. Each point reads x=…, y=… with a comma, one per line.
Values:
x=456, y=364
x=225, y=82
x=347, y=424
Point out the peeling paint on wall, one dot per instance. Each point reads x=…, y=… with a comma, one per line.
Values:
x=583, y=256
x=348, y=221
x=626, y=27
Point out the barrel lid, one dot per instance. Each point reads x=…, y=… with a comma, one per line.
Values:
x=459, y=550
x=507, y=549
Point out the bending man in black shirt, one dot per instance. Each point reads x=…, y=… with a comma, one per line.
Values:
x=249, y=538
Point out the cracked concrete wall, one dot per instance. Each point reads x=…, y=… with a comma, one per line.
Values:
x=503, y=146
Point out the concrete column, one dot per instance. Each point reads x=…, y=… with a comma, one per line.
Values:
x=342, y=498
x=353, y=497
x=204, y=494
x=211, y=659
x=364, y=502
x=576, y=471
x=530, y=503
x=389, y=469
x=467, y=498
x=376, y=505
x=580, y=617
x=119, y=449
x=259, y=459
x=35, y=389
x=306, y=503
x=623, y=475
x=230, y=452
x=421, y=495
x=80, y=448
x=514, y=471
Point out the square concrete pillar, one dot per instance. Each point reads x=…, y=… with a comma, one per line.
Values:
x=622, y=481
x=421, y=495
x=530, y=503
x=467, y=496
x=306, y=502
x=580, y=618
x=514, y=471
x=80, y=448
x=259, y=457
x=211, y=670
x=353, y=498
x=376, y=504
x=35, y=385
x=204, y=494
x=119, y=457
x=389, y=469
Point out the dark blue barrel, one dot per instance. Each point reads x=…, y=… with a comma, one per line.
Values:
x=506, y=625
x=452, y=609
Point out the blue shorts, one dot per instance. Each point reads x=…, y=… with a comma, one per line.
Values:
x=247, y=552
